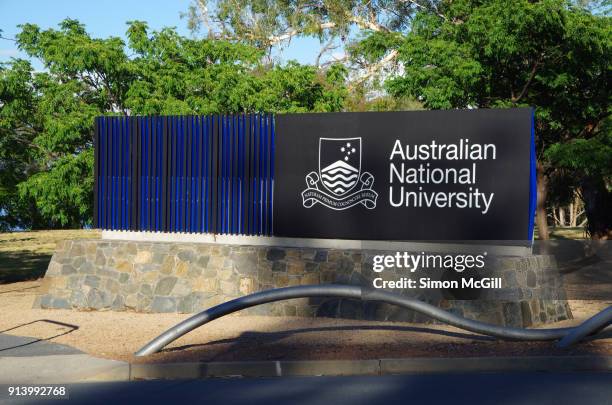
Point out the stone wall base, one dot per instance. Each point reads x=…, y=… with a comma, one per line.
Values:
x=189, y=277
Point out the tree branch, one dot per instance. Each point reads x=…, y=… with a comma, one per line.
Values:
x=421, y=6
x=327, y=47
x=534, y=69
x=373, y=69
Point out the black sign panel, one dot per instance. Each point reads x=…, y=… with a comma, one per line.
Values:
x=419, y=175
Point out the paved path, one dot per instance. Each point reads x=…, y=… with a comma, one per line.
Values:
x=505, y=388
x=21, y=346
x=30, y=360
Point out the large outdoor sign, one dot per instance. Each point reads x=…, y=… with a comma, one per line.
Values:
x=423, y=175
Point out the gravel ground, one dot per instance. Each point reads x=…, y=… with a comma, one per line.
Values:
x=116, y=335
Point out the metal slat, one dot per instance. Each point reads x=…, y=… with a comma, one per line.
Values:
x=151, y=176
x=165, y=189
x=248, y=175
x=120, y=174
x=272, y=170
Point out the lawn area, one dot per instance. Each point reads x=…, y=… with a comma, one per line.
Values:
x=25, y=255
x=564, y=233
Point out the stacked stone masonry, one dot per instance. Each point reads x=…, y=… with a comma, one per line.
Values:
x=190, y=277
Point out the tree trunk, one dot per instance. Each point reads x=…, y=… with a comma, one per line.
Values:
x=597, y=207
x=561, y=216
x=542, y=188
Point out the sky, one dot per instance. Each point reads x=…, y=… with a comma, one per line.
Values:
x=104, y=18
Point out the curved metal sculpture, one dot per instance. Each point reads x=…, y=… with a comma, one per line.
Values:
x=568, y=335
x=591, y=326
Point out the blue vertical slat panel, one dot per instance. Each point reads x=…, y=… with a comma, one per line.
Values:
x=192, y=194
x=111, y=179
x=165, y=184
x=215, y=186
x=122, y=162
x=150, y=169
x=236, y=176
x=223, y=146
x=224, y=223
x=182, y=170
x=255, y=161
x=174, y=160
x=272, y=160
x=158, y=173
x=205, y=127
x=260, y=177
x=185, y=173
x=209, y=158
x=268, y=173
x=220, y=175
x=141, y=174
x=115, y=164
x=241, y=174
x=145, y=174
x=201, y=226
x=122, y=176
x=96, y=214
x=248, y=194
x=102, y=173
x=266, y=176
x=194, y=175
x=225, y=172
x=184, y=189
x=177, y=175
x=234, y=165
x=119, y=178
x=126, y=173
x=254, y=164
x=230, y=174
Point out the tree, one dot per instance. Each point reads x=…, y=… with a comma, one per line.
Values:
x=266, y=24
x=46, y=118
x=590, y=160
x=84, y=77
x=546, y=54
x=176, y=75
x=18, y=128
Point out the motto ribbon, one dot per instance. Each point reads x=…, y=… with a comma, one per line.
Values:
x=365, y=196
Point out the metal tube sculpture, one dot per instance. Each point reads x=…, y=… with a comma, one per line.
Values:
x=568, y=335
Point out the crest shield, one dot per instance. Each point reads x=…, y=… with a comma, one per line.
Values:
x=339, y=164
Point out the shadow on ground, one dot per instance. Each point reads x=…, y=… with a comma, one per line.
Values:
x=22, y=265
x=17, y=342
x=310, y=344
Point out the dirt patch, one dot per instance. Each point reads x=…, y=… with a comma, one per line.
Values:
x=116, y=335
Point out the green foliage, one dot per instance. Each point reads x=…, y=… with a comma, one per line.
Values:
x=18, y=128
x=591, y=157
x=63, y=195
x=46, y=118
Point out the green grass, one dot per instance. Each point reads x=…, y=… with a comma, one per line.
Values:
x=25, y=255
